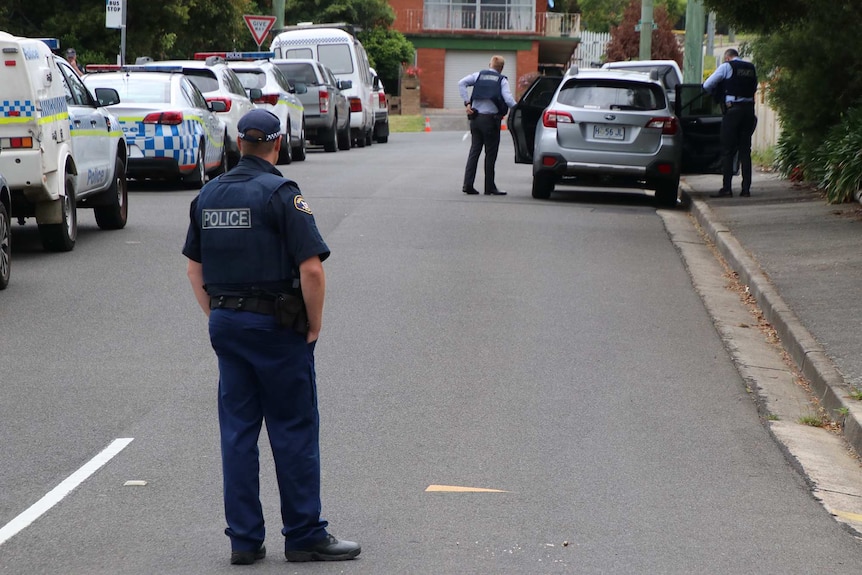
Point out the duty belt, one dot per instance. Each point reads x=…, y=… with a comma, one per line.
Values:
x=252, y=304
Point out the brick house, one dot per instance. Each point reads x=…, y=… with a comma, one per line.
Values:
x=454, y=38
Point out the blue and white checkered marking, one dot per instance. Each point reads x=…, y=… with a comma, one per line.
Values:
x=165, y=141
x=24, y=108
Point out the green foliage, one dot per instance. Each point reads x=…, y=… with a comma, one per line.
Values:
x=602, y=15
x=838, y=160
x=764, y=16
x=363, y=14
x=387, y=49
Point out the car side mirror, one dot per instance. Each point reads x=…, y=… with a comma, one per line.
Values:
x=299, y=88
x=217, y=106
x=255, y=94
x=107, y=96
x=345, y=84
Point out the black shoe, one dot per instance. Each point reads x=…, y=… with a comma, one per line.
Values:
x=330, y=549
x=470, y=191
x=495, y=192
x=745, y=194
x=722, y=194
x=247, y=557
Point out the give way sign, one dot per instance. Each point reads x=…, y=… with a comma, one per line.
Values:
x=259, y=26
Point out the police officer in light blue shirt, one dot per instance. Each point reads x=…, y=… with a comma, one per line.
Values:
x=490, y=100
x=734, y=83
x=255, y=264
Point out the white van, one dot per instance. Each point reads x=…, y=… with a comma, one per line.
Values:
x=59, y=148
x=342, y=53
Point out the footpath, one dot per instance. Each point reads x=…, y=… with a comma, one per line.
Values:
x=801, y=259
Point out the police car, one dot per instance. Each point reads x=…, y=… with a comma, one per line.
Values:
x=59, y=148
x=218, y=83
x=170, y=128
x=269, y=89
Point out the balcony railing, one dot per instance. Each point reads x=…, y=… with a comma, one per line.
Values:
x=458, y=17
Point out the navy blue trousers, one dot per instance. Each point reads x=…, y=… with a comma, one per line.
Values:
x=485, y=133
x=266, y=373
x=737, y=128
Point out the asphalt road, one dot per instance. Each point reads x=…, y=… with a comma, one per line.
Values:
x=552, y=351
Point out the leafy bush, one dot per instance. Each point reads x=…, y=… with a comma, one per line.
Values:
x=839, y=159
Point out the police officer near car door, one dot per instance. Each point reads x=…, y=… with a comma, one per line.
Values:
x=255, y=265
x=735, y=82
x=489, y=102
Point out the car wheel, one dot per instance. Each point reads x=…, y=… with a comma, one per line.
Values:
x=113, y=216
x=299, y=151
x=330, y=139
x=359, y=140
x=285, y=152
x=666, y=194
x=61, y=237
x=344, y=138
x=195, y=180
x=222, y=165
x=543, y=185
x=5, y=247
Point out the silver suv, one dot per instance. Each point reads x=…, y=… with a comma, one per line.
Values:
x=599, y=129
x=327, y=111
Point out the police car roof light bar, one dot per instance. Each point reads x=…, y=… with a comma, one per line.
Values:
x=95, y=68
x=53, y=43
x=235, y=56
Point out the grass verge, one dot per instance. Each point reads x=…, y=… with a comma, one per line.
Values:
x=398, y=123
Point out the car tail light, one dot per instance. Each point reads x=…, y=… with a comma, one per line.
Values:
x=551, y=118
x=23, y=142
x=668, y=125
x=323, y=97
x=355, y=104
x=227, y=102
x=381, y=98
x=167, y=118
x=271, y=99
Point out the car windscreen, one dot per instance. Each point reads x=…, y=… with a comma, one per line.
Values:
x=336, y=57
x=251, y=78
x=144, y=89
x=298, y=72
x=611, y=95
x=205, y=80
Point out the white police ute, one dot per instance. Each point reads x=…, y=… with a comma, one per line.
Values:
x=59, y=149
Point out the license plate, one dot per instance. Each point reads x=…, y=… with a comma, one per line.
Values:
x=608, y=132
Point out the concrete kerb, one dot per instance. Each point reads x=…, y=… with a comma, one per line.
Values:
x=827, y=383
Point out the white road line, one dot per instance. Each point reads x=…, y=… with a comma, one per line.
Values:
x=58, y=493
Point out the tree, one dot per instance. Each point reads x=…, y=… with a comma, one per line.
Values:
x=602, y=15
x=363, y=14
x=387, y=49
x=625, y=40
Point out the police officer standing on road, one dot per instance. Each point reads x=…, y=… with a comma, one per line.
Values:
x=735, y=81
x=255, y=265
x=490, y=101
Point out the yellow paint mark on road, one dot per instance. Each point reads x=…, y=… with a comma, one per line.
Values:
x=457, y=489
x=849, y=516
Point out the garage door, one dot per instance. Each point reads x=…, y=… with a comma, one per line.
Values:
x=460, y=63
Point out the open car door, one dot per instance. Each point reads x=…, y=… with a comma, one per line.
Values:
x=528, y=113
x=700, y=117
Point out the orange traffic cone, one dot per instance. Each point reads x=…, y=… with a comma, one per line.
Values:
x=427, y=124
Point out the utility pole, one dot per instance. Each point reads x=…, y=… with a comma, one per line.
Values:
x=278, y=12
x=646, y=26
x=710, y=34
x=692, y=63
